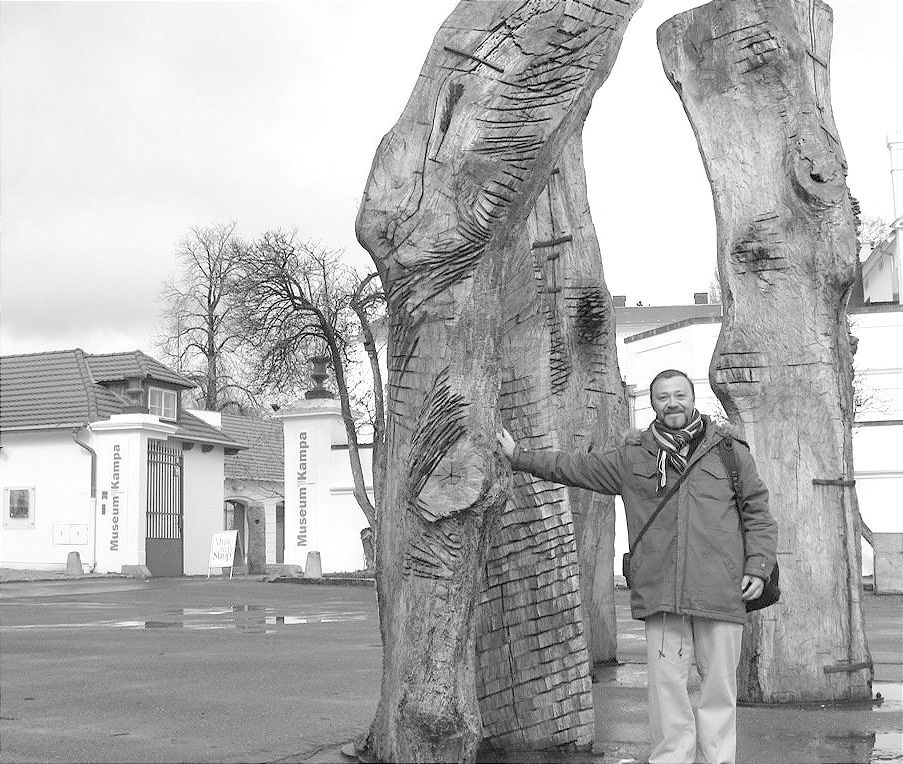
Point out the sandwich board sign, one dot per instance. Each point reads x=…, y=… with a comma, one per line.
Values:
x=222, y=551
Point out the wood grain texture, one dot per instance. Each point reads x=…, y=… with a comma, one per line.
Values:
x=504, y=86
x=547, y=593
x=753, y=77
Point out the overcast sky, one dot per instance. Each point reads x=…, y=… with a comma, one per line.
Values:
x=124, y=124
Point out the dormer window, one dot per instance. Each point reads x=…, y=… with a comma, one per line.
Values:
x=162, y=403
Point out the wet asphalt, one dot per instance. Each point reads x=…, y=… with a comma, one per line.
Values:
x=171, y=670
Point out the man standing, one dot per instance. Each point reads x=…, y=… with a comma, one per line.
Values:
x=693, y=568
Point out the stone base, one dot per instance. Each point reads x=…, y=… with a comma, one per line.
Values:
x=74, y=564
x=314, y=568
x=136, y=571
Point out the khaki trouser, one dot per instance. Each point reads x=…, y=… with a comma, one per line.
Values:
x=678, y=732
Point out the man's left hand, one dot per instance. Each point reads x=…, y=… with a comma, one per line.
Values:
x=752, y=587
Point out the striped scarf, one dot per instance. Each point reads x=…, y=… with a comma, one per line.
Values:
x=670, y=442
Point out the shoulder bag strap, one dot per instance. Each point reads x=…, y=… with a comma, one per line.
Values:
x=729, y=460
x=661, y=505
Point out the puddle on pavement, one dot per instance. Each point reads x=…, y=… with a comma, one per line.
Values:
x=257, y=619
x=249, y=618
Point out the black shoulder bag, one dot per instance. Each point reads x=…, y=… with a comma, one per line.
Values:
x=771, y=593
x=625, y=560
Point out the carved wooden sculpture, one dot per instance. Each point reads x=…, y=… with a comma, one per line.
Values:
x=505, y=84
x=753, y=78
x=561, y=388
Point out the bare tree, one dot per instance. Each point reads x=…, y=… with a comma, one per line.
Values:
x=200, y=334
x=300, y=301
x=871, y=232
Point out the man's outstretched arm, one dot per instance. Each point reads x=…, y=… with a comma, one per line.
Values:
x=597, y=472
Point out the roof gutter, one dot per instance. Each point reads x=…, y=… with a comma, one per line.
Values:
x=93, y=454
x=33, y=427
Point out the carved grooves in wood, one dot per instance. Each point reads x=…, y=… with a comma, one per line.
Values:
x=758, y=249
x=530, y=641
x=589, y=309
x=434, y=553
x=453, y=95
x=546, y=271
x=756, y=48
x=403, y=373
x=439, y=426
x=512, y=134
x=533, y=654
x=740, y=367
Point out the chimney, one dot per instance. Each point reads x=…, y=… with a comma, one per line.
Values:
x=700, y=298
x=134, y=394
x=619, y=300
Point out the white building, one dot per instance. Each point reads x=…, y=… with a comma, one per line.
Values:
x=882, y=269
x=99, y=458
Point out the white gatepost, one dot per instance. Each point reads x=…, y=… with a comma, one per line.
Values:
x=310, y=428
x=121, y=527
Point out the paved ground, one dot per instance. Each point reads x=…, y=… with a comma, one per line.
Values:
x=118, y=670
x=184, y=670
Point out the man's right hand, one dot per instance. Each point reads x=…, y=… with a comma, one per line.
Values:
x=506, y=443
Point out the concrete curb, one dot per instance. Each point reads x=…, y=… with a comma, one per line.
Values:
x=50, y=579
x=332, y=581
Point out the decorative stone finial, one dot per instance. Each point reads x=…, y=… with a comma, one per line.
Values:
x=319, y=375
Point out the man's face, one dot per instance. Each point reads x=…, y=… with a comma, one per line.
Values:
x=673, y=401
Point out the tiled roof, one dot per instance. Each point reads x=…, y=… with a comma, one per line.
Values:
x=195, y=429
x=113, y=367
x=664, y=328
x=47, y=390
x=60, y=390
x=658, y=315
x=263, y=458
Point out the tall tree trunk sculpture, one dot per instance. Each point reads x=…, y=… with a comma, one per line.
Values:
x=561, y=388
x=505, y=84
x=753, y=77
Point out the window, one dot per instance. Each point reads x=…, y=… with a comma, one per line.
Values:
x=18, y=507
x=162, y=403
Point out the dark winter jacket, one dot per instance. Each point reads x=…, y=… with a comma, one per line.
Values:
x=691, y=559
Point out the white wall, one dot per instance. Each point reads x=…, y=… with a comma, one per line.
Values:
x=340, y=541
x=121, y=445
x=60, y=473
x=202, y=486
x=346, y=519
x=879, y=363
x=332, y=519
x=877, y=454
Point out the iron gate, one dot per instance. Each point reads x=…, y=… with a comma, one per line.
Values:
x=163, y=540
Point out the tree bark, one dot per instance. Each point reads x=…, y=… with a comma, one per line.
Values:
x=378, y=464
x=354, y=454
x=753, y=77
x=549, y=591
x=505, y=84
